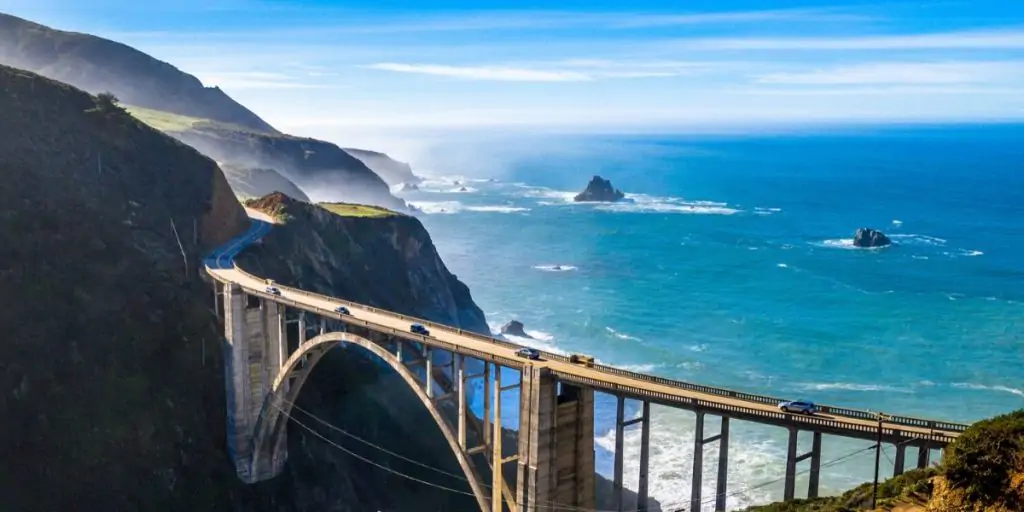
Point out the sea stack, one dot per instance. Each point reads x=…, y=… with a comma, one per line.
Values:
x=514, y=328
x=867, y=237
x=599, y=189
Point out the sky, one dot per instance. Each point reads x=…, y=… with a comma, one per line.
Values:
x=315, y=66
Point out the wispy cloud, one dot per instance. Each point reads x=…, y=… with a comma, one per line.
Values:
x=570, y=71
x=1006, y=38
x=237, y=80
x=906, y=73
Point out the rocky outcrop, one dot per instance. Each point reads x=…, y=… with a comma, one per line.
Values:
x=388, y=262
x=390, y=170
x=109, y=361
x=409, y=187
x=98, y=65
x=255, y=182
x=867, y=237
x=599, y=189
x=514, y=328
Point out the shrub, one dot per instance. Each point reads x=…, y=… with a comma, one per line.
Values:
x=983, y=460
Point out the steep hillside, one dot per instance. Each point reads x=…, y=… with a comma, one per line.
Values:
x=110, y=357
x=390, y=170
x=255, y=182
x=386, y=260
x=321, y=169
x=97, y=65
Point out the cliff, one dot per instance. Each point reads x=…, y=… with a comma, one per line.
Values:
x=97, y=65
x=390, y=170
x=110, y=361
x=385, y=260
x=319, y=168
x=255, y=182
x=203, y=117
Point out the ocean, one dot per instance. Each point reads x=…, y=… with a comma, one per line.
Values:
x=732, y=265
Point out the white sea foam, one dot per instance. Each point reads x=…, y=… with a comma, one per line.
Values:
x=555, y=268
x=435, y=207
x=782, y=265
x=698, y=348
x=621, y=335
x=849, y=386
x=897, y=222
x=462, y=190
x=973, y=253
x=982, y=387
x=640, y=368
x=497, y=209
x=914, y=239
x=751, y=459
x=844, y=243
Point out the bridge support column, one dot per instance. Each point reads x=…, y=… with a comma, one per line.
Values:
x=923, y=455
x=813, y=479
x=216, y=298
x=697, y=484
x=900, y=462
x=497, y=478
x=645, y=449
x=302, y=327
x=556, y=444
x=620, y=416
x=237, y=381
x=428, y=374
x=460, y=381
x=789, y=489
x=723, y=466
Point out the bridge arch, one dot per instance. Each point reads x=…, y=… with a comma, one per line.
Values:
x=269, y=439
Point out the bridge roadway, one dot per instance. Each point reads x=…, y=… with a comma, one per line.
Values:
x=832, y=420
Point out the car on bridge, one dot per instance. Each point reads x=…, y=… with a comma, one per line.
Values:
x=419, y=329
x=273, y=290
x=800, y=406
x=529, y=353
x=342, y=310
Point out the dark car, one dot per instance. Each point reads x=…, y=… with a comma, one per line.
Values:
x=273, y=290
x=801, y=406
x=419, y=329
x=528, y=353
x=342, y=309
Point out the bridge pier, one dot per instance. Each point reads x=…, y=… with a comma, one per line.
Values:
x=924, y=454
x=789, y=489
x=696, y=489
x=556, y=444
x=900, y=462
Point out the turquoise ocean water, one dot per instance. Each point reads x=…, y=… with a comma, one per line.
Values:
x=732, y=266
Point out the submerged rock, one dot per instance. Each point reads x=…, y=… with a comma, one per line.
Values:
x=867, y=237
x=599, y=189
x=514, y=328
x=406, y=187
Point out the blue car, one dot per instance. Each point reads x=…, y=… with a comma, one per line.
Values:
x=342, y=309
x=419, y=329
x=799, y=406
x=528, y=353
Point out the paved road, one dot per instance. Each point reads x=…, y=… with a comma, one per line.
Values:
x=843, y=421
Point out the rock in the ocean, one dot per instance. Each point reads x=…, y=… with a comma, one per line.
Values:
x=406, y=187
x=867, y=237
x=599, y=189
x=514, y=328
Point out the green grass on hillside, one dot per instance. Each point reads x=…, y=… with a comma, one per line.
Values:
x=357, y=210
x=164, y=121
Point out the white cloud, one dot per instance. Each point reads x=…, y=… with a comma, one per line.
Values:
x=903, y=73
x=495, y=73
x=567, y=71
x=236, y=80
x=1010, y=38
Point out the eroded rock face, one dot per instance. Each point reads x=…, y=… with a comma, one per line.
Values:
x=599, y=189
x=514, y=328
x=867, y=237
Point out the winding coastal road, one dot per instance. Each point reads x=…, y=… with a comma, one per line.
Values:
x=673, y=393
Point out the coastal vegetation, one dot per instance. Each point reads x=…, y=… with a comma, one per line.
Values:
x=982, y=471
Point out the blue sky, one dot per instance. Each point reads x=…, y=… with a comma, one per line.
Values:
x=317, y=66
